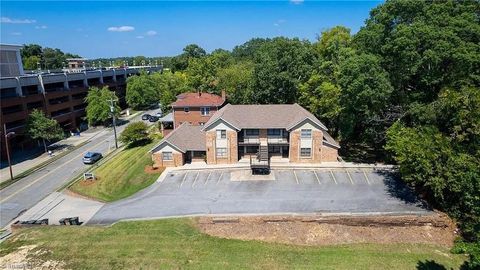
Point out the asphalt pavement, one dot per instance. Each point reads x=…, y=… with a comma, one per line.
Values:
x=290, y=191
x=25, y=193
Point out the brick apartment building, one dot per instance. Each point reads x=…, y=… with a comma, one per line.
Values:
x=235, y=132
x=59, y=94
x=196, y=108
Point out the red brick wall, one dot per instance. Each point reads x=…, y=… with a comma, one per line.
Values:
x=294, y=151
x=194, y=116
x=159, y=162
x=232, y=148
x=329, y=154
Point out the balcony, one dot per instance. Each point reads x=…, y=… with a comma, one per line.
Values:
x=277, y=140
x=249, y=140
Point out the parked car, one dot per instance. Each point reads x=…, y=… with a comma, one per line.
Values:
x=159, y=114
x=153, y=118
x=146, y=116
x=91, y=157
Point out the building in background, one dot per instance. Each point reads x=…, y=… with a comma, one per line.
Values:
x=61, y=95
x=10, y=61
x=196, y=108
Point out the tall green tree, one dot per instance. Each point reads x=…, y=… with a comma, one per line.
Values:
x=98, y=105
x=142, y=91
x=237, y=81
x=280, y=66
x=169, y=86
x=39, y=126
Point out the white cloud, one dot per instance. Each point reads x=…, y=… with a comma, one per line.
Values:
x=124, y=28
x=16, y=34
x=296, y=2
x=140, y=36
x=279, y=22
x=41, y=27
x=151, y=33
x=10, y=20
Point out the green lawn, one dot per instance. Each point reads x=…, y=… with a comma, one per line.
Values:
x=119, y=177
x=176, y=244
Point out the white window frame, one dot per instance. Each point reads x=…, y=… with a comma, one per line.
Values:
x=223, y=154
x=204, y=111
x=221, y=133
x=164, y=154
x=305, y=136
x=304, y=155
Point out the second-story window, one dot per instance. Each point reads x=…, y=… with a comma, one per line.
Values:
x=252, y=132
x=186, y=109
x=221, y=134
x=274, y=132
x=306, y=134
x=205, y=110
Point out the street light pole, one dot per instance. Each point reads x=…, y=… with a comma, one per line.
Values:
x=8, y=149
x=112, y=110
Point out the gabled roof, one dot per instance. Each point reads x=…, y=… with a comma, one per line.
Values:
x=186, y=137
x=197, y=100
x=284, y=116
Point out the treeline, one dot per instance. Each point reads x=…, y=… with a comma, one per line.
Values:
x=404, y=89
x=35, y=57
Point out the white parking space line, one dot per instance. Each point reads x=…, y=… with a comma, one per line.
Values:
x=349, y=177
x=195, y=180
x=296, y=178
x=206, y=181
x=333, y=177
x=366, y=177
x=219, y=178
x=316, y=176
x=183, y=180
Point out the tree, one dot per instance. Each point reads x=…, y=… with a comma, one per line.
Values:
x=322, y=98
x=247, y=50
x=31, y=62
x=98, y=105
x=365, y=97
x=134, y=133
x=194, y=51
x=237, y=81
x=31, y=50
x=141, y=91
x=39, y=126
x=169, y=86
x=281, y=64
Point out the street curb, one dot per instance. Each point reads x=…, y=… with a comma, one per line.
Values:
x=319, y=214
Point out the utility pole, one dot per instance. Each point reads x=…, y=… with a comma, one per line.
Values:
x=112, y=110
x=8, y=149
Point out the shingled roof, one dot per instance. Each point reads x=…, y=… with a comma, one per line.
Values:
x=197, y=100
x=186, y=137
x=264, y=116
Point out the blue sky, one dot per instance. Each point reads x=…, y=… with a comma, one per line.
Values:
x=121, y=28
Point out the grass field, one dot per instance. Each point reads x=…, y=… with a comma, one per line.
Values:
x=119, y=177
x=177, y=244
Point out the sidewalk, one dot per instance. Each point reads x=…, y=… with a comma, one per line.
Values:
x=65, y=145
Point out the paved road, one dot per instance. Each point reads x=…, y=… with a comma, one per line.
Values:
x=28, y=191
x=299, y=191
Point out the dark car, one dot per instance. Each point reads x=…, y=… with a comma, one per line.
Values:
x=153, y=118
x=91, y=157
x=146, y=116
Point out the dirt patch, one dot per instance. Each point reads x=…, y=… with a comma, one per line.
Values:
x=153, y=170
x=22, y=258
x=318, y=231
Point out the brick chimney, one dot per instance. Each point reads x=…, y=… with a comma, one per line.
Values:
x=224, y=96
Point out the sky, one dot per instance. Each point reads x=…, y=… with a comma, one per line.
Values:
x=163, y=28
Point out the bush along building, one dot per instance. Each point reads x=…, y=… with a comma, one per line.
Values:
x=255, y=133
x=61, y=95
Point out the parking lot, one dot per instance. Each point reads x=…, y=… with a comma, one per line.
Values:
x=291, y=191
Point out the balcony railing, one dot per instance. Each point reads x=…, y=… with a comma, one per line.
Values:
x=277, y=140
x=250, y=140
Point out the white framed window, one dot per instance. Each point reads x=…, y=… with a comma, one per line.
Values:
x=305, y=152
x=167, y=156
x=306, y=133
x=221, y=134
x=186, y=109
x=205, y=110
x=221, y=152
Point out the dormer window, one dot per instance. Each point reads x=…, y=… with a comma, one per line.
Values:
x=205, y=111
x=186, y=109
